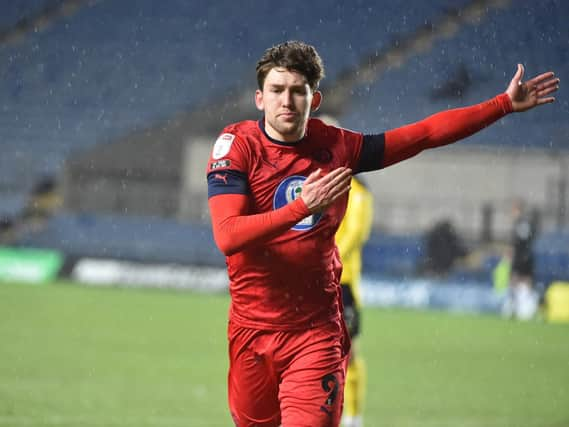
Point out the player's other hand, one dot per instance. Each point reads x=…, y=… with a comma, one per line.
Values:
x=531, y=93
x=321, y=190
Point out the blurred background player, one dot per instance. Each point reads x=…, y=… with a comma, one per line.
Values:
x=522, y=300
x=352, y=235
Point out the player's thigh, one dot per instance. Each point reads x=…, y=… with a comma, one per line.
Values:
x=252, y=384
x=312, y=387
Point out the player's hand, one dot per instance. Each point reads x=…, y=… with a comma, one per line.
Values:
x=530, y=94
x=321, y=190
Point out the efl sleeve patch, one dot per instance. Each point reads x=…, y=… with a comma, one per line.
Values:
x=222, y=145
x=227, y=182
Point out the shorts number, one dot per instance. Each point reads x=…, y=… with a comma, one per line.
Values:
x=330, y=384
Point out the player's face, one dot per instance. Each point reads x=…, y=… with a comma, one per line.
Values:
x=287, y=100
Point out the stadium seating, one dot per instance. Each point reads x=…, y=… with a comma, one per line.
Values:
x=551, y=253
x=144, y=239
x=14, y=11
x=393, y=255
x=114, y=67
x=11, y=205
x=473, y=65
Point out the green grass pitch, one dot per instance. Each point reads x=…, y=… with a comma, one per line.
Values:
x=75, y=356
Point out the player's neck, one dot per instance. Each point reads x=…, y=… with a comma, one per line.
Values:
x=275, y=138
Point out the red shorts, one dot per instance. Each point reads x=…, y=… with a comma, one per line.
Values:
x=293, y=378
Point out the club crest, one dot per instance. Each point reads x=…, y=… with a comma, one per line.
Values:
x=288, y=191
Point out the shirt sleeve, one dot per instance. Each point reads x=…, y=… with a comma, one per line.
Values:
x=383, y=150
x=235, y=230
x=227, y=166
x=443, y=128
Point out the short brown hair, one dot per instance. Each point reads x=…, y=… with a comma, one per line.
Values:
x=292, y=55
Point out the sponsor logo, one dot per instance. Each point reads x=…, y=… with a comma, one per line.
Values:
x=222, y=145
x=288, y=191
x=221, y=177
x=109, y=272
x=220, y=164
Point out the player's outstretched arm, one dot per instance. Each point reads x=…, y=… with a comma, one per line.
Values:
x=453, y=125
x=533, y=92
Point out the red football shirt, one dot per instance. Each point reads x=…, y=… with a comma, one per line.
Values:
x=290, y=281
x=283, y=263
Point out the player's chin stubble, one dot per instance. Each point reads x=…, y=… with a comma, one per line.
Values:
x=290, y=128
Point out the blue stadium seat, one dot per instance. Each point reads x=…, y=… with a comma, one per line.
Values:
x=131, y=238
x=12, y=205
x=393, y=255
x=551, y=254
x=14, y=11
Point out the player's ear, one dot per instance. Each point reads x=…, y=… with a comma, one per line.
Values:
x=259, y=100
x=316, y=101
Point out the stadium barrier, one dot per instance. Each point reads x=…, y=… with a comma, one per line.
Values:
x=29, y=265
x=431, y=294
x=376, y=292
x=112, y=272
